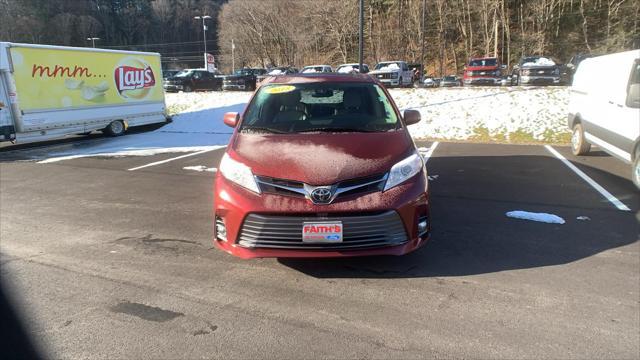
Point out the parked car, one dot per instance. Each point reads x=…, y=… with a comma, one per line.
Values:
x=352, y=68
x=482, y=71
x=321, y=167
x=243, y=79
x=428, y=82
x=535, y=70
x=605, y=110
x=281, y=70
x=166, y=74
x=450, y=81
x=393, y=73
x=316, y=69
x=570, y=68
x=189, y=80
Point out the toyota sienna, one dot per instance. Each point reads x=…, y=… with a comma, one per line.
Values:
x=321, y=166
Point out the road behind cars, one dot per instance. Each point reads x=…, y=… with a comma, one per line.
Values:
x=112, y=262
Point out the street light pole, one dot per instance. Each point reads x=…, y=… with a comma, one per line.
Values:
x=93, y=40
x=424, y=7
x=361, y=36
x=233, y=58
x=204, y=35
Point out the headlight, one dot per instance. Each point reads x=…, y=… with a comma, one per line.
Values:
x=394, y=75
x=403, y=171
x=525, y=72
x=469, y=73
x=238, y=173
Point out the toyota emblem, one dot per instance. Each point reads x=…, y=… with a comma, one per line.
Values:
x=321, y=195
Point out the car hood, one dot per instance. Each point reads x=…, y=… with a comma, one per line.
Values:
x=374, y=72
x=235, y=77
x=321, y=158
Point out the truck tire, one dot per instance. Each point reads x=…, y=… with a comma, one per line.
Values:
x=115, y=128
x=188, y=89
x=400, y=82
x=579, y=146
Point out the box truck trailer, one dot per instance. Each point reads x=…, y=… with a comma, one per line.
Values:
x=53, y=91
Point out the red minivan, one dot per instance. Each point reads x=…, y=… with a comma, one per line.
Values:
x=321, y=166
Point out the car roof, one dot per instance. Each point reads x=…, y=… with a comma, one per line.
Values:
x=318, y=77
x=352, y=64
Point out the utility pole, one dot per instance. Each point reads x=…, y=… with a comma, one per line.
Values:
x=361, y=42
x=424, y=9
x=204, y=35
x=233, y=58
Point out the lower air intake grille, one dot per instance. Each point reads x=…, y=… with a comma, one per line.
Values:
x=359, y=231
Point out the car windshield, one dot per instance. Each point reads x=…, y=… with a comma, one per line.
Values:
x=184, y=73
x=388, y=66
x=483, y=62
x=449, y=78
x=244, y=72
x=320, y=107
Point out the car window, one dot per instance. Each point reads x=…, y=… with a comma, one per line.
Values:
x=286, y=108
x=635, y=73
x=483, y=62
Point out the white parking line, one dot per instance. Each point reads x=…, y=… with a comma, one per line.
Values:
x=427, y=154
x=607, y=195
x=171, y=159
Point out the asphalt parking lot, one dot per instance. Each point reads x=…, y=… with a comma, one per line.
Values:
x=104, y=261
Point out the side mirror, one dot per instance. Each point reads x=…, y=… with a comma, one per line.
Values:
x=231, y=119
x=633, y=96
x=411, y=117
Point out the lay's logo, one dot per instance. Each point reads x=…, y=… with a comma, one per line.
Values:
x=132, y=78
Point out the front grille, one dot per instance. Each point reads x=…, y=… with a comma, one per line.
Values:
x=482, y=73
x=385, y=76
x=359, y=231
x=538, y=72
x=299, y=189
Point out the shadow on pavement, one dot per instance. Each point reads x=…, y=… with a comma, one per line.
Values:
x=472, y=235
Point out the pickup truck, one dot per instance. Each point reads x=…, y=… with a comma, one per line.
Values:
x=189, y=80
x=482, y=71
x=243, y=79
x=393, y=73
x=535, y=70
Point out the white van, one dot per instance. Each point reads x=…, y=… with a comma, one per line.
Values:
x=604, y=108
x=53, y=91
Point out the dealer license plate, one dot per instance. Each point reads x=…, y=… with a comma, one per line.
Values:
x=322, y=232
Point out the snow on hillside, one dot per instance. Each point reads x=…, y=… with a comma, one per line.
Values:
x=509, y=114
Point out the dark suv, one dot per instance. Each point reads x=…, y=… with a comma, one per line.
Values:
x=535, y=70
x=189, y=80
x=243, y=79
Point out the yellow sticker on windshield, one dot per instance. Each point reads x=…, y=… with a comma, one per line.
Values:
x=280, y=89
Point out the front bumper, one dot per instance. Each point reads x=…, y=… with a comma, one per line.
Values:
x=227, y=86
x=390, y=82
x=539, y=80
x=233, y=205
x=172, y=87
x=481, y=81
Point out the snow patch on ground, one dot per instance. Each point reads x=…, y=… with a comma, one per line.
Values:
x=507, y=114
x=198, y=126
x=539, y=217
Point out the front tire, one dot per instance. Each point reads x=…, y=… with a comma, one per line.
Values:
x=115, y=128
x=188, y=89
x=579, y=146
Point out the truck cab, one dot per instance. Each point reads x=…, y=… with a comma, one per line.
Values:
x=482, y=71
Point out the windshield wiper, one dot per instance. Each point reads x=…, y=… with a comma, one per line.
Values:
x=330, y=129
x=263, y=129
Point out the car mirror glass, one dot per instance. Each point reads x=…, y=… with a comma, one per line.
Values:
x=411, y=117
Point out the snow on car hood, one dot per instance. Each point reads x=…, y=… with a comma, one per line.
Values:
x=321, y=158
x=276, y=72
x=387, y=68
x=543, y=61
x=346, y=69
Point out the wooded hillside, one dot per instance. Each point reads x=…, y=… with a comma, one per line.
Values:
x=301, y=32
